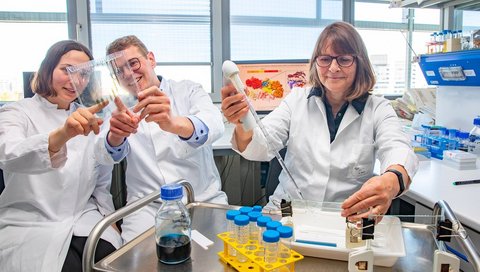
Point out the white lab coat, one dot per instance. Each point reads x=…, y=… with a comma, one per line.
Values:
x=46, y=201
x=157, y=157
x=327, y=171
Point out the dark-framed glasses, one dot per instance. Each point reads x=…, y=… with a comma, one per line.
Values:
x=134, y=64
x=342, y=60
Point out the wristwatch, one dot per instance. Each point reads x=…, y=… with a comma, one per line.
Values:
x=400, y=180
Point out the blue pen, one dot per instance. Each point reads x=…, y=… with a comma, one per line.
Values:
x=316, y=243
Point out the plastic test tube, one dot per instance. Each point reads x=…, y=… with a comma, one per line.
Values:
x=231, y=228
x=273, y=225
x=257, y=208
x=253, y=225
x=241, y=234
x=245, y=210
x=286, y=239
x=270, y=239
x=262, y=227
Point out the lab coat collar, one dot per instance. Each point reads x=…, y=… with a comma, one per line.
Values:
x=73, y=106
x=358, y=103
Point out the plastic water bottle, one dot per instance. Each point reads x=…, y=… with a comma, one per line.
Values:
x=172, y=226
x=241, y=234
x=474, y=137
x=262, y=227
x=286, y=239
x=231, y=228
x=270, y=240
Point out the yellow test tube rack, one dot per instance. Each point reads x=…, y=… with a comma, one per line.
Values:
x=254, y=253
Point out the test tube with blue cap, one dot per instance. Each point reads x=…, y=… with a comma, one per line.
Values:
x=230, y=215
x=245, y=210
x=262, y=227
x=241, y=234
x=253, y=225
x=273, y=225
x=270, y=240
x=286, y=239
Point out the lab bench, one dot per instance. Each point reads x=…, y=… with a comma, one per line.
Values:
x=209, y=219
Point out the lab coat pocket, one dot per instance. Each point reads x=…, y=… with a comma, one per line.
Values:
x=362, y=161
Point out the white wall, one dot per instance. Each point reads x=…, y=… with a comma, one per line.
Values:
x=457, y=106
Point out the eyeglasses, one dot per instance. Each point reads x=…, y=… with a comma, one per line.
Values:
x=342, y=60
x=134, y=64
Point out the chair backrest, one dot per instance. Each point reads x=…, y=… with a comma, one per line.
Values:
x=2, y=182
x=274, y=170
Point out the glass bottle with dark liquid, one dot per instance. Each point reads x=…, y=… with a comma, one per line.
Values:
x=172, y=227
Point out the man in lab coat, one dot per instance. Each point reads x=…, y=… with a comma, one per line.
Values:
x=166, y=137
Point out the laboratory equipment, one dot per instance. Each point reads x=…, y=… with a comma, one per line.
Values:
x=286, y=239
x=270, y=241
x=253, y=224
x=273, y=225
x=230, y=215
x=262, y=226
x=172, y=226
x=241, y=235
x=230, y=71
x=474, y=137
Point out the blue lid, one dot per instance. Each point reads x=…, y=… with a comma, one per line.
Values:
x=257, y=208
x=263, y=220
x=254, y=216
x=232, y=213
x=452, y=132
x=285, y=231
x=271, y=236
x=171, y=192
x=273, y=225
x=463, y=135
x=476, y=121
x=245, y=210
x=241, y=220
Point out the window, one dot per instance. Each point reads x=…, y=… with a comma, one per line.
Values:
x=278, y=29
x=31, y=27
x=177, y=32
x=392, y=44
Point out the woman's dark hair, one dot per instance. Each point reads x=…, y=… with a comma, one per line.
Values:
x=42, y=82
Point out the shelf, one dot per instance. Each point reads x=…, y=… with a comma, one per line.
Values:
x=456, y=4
x=461, y=68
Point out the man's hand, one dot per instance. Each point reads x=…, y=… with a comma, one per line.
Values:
x=122, y=123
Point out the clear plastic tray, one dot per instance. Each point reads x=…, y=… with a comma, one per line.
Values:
x=320, y=232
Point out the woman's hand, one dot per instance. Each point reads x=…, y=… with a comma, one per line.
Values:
x=81, y=122
x=374, y=198
x=234, y=108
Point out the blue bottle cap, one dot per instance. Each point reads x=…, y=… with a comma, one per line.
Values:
x=257, y=208
x=232, y=213
x=285, y=231
x=245, y=210
x=254, y=216
x=476, y=121
x=273, y=225
x=241, y=220
x=271, y=236
x=263, y=220
x=171, y=192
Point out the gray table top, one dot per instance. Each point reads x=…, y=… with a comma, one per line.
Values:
x=140, y=253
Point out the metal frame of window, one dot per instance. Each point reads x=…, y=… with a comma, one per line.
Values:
x=79, y=19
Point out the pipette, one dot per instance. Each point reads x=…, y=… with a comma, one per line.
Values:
x=230, y=71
